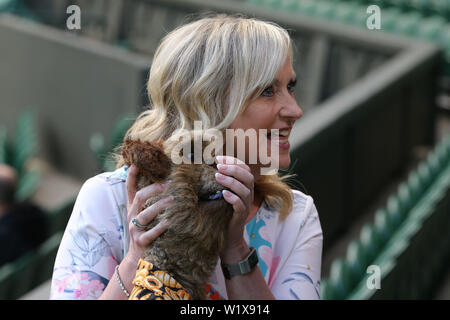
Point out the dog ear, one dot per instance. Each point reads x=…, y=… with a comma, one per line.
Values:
x=149, y=157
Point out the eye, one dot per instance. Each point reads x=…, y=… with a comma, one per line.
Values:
x=291, y=86
x=268, y=92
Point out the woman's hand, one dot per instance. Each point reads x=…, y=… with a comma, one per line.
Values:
x=238, y=178
x=139, y=239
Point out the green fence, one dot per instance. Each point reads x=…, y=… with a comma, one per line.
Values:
x=19, y=277
x=408, y=241
x=422, y=19
x=425, y=7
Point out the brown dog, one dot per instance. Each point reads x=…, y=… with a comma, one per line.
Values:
x=186, y=254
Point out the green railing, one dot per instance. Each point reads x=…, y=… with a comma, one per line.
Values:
x=35, y=267
x=29, y=271
x=18, y=7
x=424, y=7
x=422, y=19
x=408, y=240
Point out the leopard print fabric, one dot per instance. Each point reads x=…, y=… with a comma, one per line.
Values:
x=152, y=283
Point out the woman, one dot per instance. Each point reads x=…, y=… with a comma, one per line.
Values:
x=229, y=73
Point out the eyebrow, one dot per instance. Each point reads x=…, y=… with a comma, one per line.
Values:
x=293, y=79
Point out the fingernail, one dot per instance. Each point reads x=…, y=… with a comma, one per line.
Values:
x=221, y=166
x=219, y=175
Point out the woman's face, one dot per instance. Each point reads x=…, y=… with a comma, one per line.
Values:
x=276, y=108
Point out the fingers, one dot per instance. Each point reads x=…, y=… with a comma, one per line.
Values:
x=238, y=173
x=235, y=201
x=234, y=185
x=147, y=237
x=144, y=237
x=232, y=160
x=237, y=179
x=241, y=183
x=131, y=183
x=147, y=215
x=142, y=196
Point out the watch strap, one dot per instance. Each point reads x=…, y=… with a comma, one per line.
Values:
x=241, y=267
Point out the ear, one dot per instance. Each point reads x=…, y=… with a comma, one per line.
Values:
x=149, y=157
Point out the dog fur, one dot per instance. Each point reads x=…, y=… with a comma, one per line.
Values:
x=189, y=249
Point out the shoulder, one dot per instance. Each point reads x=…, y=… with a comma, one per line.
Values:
x=100, y=206
x=303, y=208
x=106, y=179
x=101, y=203
x=105, y=186
x=95, y=239
x=302, y=222
x=299, y=252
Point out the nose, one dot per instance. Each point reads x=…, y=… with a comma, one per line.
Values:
x=290, y=109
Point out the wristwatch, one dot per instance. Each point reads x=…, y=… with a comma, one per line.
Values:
x=241, y=267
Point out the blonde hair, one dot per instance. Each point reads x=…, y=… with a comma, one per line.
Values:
x=202, y=68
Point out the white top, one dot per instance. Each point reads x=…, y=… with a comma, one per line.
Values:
x=96, y=240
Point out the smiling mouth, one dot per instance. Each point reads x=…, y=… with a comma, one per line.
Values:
x=281, y=137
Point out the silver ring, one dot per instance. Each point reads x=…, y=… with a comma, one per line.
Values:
x=138, y=225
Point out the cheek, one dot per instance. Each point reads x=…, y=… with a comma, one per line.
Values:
x=256, y=121
x=258, y=115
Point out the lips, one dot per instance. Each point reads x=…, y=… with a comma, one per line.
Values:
x=280, y=137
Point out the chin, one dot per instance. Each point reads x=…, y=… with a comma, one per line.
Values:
x=285, y=161
x=283, y=166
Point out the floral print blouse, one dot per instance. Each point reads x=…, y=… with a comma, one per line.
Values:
x=96, y=240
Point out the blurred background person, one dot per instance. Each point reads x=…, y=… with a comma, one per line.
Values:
x=22, y=225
